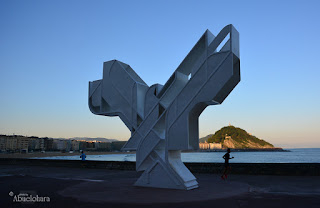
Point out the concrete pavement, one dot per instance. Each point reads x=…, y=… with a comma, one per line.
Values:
x=82, y=187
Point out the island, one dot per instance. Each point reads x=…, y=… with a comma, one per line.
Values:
x=236, y=139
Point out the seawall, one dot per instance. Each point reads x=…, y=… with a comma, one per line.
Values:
x=290, y=169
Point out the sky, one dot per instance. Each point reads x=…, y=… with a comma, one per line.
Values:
x=50, y=50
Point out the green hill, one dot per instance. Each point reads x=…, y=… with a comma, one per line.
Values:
x=233, y=137
x=203, y=139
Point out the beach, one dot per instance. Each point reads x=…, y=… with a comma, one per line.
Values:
x=55, y=154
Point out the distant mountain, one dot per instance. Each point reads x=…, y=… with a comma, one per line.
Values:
x=99, y=139
x=234, y=137
x=203, y=139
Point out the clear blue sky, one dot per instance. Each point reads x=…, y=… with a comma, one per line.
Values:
x=50, y=50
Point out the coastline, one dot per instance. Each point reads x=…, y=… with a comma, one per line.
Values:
x=55, y=154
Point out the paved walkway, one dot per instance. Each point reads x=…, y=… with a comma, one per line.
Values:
x=74, y=187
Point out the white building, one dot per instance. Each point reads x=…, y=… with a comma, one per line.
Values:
x=205, y=145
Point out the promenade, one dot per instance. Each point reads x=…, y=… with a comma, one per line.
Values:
x=90, y=187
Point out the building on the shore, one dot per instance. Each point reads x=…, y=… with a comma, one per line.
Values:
x=34, y=144
x=3, y=143
x=68, y=145
x=61, y=144
x=14, y=143
x=82, y=145
x=215, y=145
x=103, y=146
x=48, y=144
x=75, y=145
x=117, y=145
x=204, y=145
x=23, y=143
x=11, y=143
x=209, y=146
x=87, y=145
x=90, y=145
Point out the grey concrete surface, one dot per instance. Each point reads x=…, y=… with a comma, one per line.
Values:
x=81, y=187
x=285, y=169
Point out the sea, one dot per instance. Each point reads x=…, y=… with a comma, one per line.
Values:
x=299, y=155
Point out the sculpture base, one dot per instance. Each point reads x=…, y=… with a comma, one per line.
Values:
x=159, y=178
x=174, y=175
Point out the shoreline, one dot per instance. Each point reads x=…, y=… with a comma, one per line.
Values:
x=56, y=153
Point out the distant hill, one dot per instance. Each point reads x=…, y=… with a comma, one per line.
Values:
x=99, y=139
x=203, y=139
x=234, y=137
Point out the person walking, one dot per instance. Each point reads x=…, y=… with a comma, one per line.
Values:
x=83, y=156
x=227, y=168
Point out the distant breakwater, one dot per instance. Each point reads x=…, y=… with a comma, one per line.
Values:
x=292, y=169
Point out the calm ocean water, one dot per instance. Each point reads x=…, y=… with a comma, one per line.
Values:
x=301, y=155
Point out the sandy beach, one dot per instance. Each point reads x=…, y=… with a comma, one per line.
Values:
x=54, y=154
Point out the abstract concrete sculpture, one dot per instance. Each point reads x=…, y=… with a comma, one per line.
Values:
x=163, y=120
